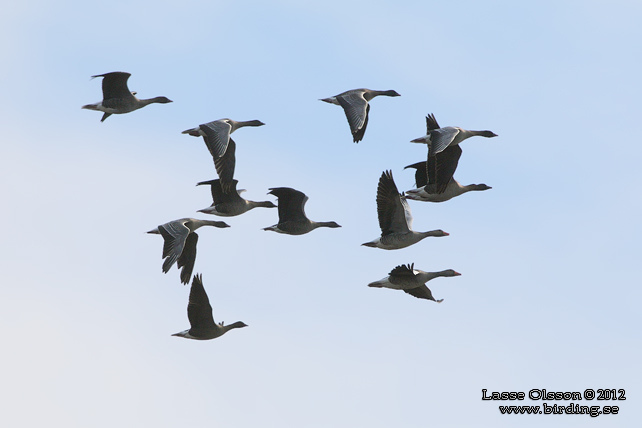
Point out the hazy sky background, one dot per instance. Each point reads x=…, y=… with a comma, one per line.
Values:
x=550, y=257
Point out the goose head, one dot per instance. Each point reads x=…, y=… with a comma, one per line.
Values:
x=163, y=100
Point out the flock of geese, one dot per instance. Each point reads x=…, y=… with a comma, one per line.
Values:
x=434, y=180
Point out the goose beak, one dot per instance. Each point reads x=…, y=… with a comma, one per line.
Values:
x=457, y=273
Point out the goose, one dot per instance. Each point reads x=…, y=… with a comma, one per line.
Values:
x=434, y=178
x=426, y=190
x=117, y=98
x=356, y=107
x=412, y=281
x=395, y=218
x=199, y=313
x=438, y=139
x=292, y=219
x=230, y=204
x=180, y=243
x=217, y=133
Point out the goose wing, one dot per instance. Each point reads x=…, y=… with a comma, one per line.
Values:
x=116, y=94
x=444, y=165
x=403, y=275
x=422, y=292
x=225, y=166
x=392, y=208
x=175, y=234
x=217, y=136
x=218, y=195
x=440, y=139
x=356, y=109
x=188, y=257
x=431, y=123
x=199, y=310
x=421, y=175
x=291, y=204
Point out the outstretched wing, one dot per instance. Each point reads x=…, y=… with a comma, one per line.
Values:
x=175, y=234
x=356, y=109
x=199, y=310
x=403, y=275
x=217, y=136
x=188, y=257
x=421, y=176
x=431, y=123
x=440, y=139
x=291, y=204
x=392, y=208
x=115, y=85
x=422, y=292
x=225, y=167
x=445, y=165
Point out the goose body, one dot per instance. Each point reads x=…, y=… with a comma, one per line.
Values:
x=180, y=243
x=230, y=204
x=199, y=313
x=412, y=281
x=438, y=139
x=117, y=98
x=395, y=218
x=292, y=218
x=356, y=106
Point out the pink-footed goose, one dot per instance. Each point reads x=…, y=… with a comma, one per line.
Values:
x=412, y=281
x=217, y=133
x=438, y=139
x=230, y=204
x=356, y=106
x=180, y=243
x=395, y=218
x=117, y=98
x=292, y=218
x=199, y=313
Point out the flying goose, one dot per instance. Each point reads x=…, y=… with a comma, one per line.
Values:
x=292, y=219
x=117, y=98
x=426, y=190
x=217, y=133
x=230, y=204
x=199, y=312
x=180, y=243
x=434, y=178
x=438, y=139
x=395, y=218
x=412, y=281
x=356, y=107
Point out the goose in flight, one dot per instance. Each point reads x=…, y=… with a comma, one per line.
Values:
x=434, y=178
x=217, y=133
x=180, y=243
x=292, y=218
x=395, y=218
x=230, y=204
x=117, y=98
x=426, y=190
x=199, y=312
x=356, y=107
x=412, y=281
x=438, y=139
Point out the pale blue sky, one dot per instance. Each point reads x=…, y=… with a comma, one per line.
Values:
x=549, y=292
